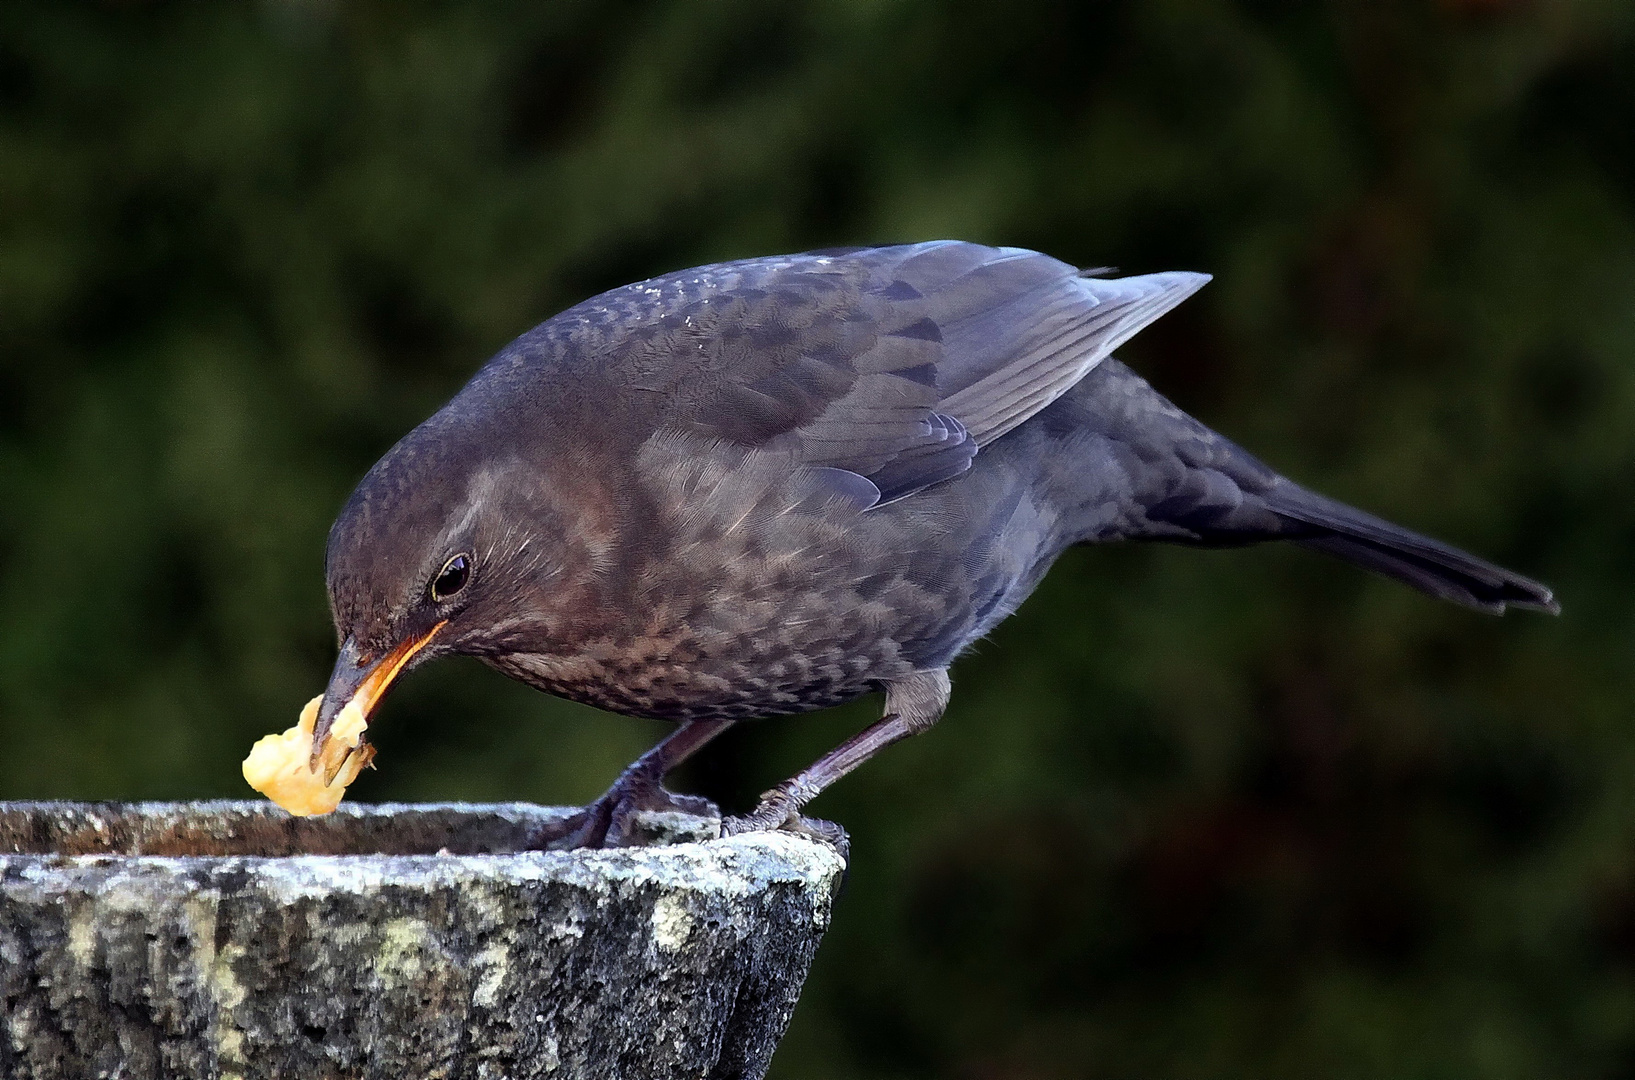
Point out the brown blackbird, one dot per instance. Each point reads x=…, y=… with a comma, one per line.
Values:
x=772, y=486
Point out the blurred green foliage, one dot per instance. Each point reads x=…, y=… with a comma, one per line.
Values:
x=1192, y=813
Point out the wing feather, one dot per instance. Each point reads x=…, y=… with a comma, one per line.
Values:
x=1055, y=340
x=893, y=364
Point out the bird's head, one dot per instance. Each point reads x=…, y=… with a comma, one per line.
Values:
x=448, y=545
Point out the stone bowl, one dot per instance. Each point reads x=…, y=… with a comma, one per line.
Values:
x=230, y=940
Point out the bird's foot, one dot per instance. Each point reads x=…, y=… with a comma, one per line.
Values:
x=780, y=811
x=614, y=820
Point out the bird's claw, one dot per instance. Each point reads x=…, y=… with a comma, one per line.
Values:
x=585, y=828
x=824, y=832
x=778, y=807
x=779, y=811
x=610, y=821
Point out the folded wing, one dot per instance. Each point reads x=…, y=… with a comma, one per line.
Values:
x=897, y=364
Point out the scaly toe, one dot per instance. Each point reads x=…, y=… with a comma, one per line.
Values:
x=614, y=819
x=586, y=828
x=640, y=821
x=824, y=832
x=756, y=822
x=776, y=809
x=767, y=819
x=696, y=805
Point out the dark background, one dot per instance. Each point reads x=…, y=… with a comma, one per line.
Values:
x=1192, y=813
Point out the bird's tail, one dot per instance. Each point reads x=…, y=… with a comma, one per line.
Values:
x=1173, y=479
x=1324, y=524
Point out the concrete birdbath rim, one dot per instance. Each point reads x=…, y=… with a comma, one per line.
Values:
x=410, y=839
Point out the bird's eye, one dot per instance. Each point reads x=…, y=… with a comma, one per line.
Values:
x=452, y=578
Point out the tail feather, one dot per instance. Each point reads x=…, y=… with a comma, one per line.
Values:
x=1428, y=565
x=1176, y=480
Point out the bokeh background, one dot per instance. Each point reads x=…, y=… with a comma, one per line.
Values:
x=1192, y=813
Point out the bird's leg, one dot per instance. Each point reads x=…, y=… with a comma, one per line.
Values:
x=604, y=823
x=913, y=704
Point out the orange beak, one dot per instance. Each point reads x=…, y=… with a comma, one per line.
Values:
x=363, y=683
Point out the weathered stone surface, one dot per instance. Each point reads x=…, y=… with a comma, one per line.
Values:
x=201, y=956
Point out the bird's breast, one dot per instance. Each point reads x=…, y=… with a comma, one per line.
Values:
x=711, y=650
x=749, y=595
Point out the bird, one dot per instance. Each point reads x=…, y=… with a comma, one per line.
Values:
x=774, y=485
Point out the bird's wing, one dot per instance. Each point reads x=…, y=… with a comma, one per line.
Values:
x=896, y=364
